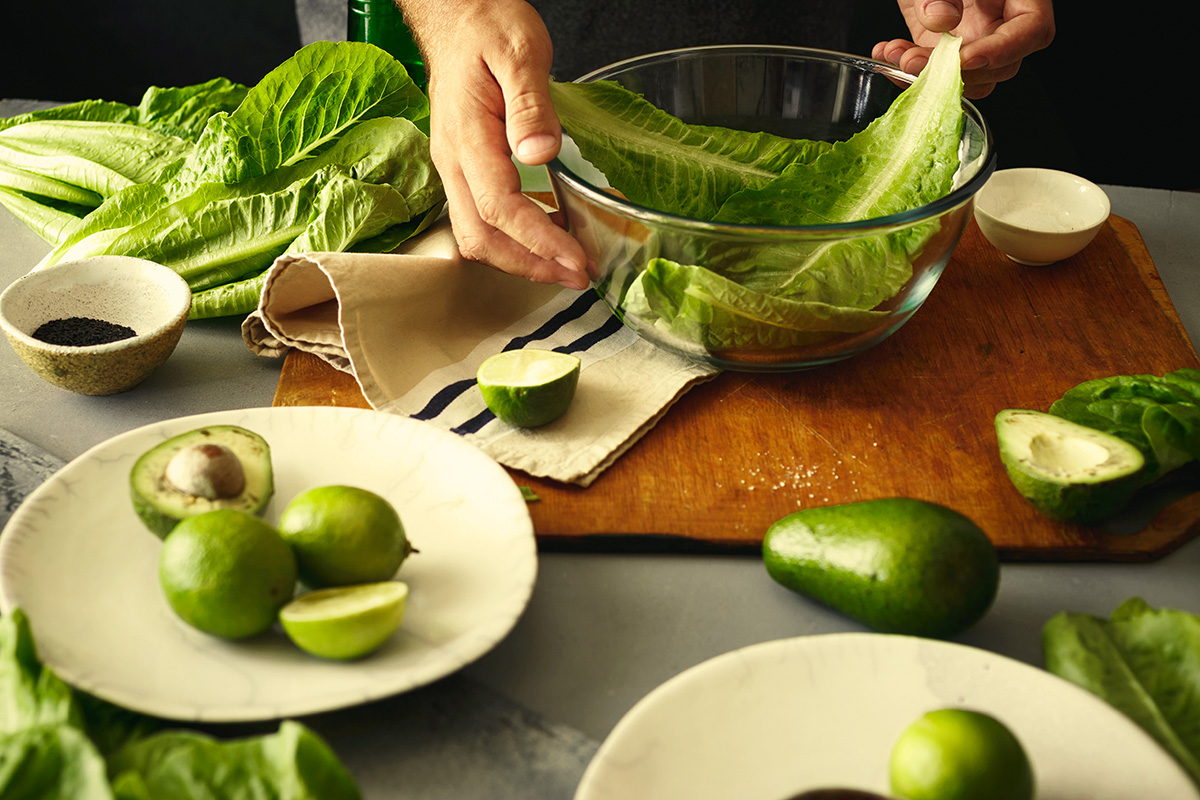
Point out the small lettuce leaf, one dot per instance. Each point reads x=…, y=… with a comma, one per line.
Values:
x=184, y=111
x=1159, y=415
x=57, y=743
x=292, y=763
x=1145, y=662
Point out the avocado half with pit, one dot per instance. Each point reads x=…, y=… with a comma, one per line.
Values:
x=1068, y=471
x=216, y=467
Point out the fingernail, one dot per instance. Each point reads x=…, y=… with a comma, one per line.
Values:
x=569, y=264
x=940, y=8
x=978, y=62
x=533, y=146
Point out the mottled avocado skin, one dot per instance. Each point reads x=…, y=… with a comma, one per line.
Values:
x=896, y=565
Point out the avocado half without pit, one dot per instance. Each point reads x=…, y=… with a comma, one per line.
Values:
x=1069, y=472
x=218, y=467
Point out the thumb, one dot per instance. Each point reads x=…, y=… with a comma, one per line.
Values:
x=939, y=16
x=534, y=133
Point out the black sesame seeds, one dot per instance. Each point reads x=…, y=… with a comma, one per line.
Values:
x=82, y=332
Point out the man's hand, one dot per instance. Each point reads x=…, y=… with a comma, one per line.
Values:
x=997, y=35
x=489, y=69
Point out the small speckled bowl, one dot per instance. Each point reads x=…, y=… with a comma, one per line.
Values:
x=1039, y=216
x=149, y=298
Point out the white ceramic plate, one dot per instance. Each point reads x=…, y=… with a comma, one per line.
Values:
x=80, y=565
x=771, y=720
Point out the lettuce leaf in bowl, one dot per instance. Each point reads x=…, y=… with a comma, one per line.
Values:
x=722, y=294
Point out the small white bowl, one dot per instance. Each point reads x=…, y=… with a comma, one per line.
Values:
x=1040, y=216
x=151, y=299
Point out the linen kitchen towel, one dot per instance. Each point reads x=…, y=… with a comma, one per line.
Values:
x=413, y=327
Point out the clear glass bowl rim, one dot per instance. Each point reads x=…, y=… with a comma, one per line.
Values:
x=651, y=216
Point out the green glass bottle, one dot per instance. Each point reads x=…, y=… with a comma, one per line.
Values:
x=381, y=23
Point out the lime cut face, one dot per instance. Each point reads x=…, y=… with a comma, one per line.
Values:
x=345, y=622
x=960, y=754
x=529, y=388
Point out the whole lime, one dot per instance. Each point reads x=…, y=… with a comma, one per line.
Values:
x=226, y=573
x=959, y=754
x=343, y=535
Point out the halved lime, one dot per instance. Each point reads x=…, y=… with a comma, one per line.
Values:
x=530, y=387
x=345, y=622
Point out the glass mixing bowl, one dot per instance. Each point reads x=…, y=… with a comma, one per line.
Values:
x=794, y=92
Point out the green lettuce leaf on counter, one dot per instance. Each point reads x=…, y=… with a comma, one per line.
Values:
x=56, y=742
x=1145, y=662
x=217, y=180
x=799, y=292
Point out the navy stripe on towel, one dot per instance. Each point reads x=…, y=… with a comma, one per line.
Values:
x=447, y=395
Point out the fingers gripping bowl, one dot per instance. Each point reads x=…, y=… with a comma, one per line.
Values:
x=751, y=296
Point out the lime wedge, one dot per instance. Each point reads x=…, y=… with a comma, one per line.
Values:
x=345, y=622
x=528, y=388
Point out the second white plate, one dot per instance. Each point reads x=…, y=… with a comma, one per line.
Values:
x=769, y=721
x=76, y=560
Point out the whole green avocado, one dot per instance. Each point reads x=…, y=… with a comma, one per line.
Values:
x=896, y=565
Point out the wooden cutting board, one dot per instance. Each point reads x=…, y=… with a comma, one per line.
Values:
x=911, y=417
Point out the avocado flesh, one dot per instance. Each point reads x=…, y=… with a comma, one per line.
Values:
x=896, y=565
x=160, y=504
x=1068, y=471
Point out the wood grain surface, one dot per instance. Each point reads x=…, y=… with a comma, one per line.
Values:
x=911, y=417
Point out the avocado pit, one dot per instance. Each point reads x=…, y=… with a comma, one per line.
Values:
x=207, y=470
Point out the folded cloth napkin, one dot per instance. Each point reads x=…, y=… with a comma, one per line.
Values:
x=413, y=327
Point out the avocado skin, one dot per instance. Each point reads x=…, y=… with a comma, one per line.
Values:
x=1080, y=503
x=896, y=565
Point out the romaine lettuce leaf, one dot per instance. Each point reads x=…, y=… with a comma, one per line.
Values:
x=302, y=106
x=60, y=744
x=216, y=180
x=1144, y=661
x=658, y=161
x=693, y=304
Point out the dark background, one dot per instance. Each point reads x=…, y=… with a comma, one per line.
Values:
x=1109, y=99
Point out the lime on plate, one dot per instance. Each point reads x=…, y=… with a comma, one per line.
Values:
x=959, y=754
x=529, y=388
x=345, y=622
x=343, y=535
x=226, y=572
